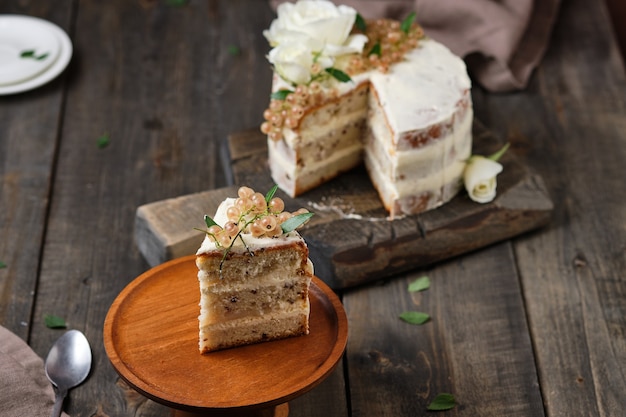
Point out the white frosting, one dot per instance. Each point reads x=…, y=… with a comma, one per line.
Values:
x=422, y=90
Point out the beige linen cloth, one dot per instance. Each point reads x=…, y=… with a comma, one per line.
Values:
x=502, y=41
x=24, y=388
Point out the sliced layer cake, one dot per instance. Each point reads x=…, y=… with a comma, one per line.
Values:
x=401, y=103
x=254, y=275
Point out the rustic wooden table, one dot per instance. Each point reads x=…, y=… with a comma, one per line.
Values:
x=532, y=326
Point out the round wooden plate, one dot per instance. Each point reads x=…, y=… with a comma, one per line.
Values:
x=151, y=338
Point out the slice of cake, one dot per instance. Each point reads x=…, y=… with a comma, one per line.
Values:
x=380, y=93
x=254, y=273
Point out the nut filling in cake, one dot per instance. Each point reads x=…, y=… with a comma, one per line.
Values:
x=254, y=273
x=348, y=91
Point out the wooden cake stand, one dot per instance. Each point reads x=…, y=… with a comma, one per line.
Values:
x=151, y=338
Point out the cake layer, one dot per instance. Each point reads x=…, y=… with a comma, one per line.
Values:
x=313, y=175
x=416, y=196
x=424, y=161
x=252, y=330
x=223, y=303
x=328, y=139
x=261, y=263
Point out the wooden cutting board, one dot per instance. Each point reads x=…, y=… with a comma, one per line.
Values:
x=350, y=239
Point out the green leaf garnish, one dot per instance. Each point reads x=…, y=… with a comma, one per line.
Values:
x=30, y=53
x=280, y=94
x=103, y=141
x=408, y=22
x=339, y=74
x=54, y=322
x=442, y=402
x=176, y=3
x=360, y=23
x=375, y=49
x=414, y=317
x=209, y=221
x=420, y=284
x=499, y=154
x=233, y=50
x=270, y=194
x=2, y=265
x=296, y=221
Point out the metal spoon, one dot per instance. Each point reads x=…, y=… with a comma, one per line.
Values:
x=67, y=365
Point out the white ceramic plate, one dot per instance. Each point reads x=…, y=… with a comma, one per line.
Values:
x=25, y=33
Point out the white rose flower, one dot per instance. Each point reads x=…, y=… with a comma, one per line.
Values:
x=480, y=178
x=293, y=61
x=320, y=20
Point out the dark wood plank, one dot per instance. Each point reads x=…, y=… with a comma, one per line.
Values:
x=571, y=127
x=351, y=240
x=476, y=345
x=30, y=124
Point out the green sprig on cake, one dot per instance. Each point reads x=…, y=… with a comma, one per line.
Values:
x=256, y=215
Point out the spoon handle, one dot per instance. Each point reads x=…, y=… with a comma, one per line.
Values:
x=58, y=403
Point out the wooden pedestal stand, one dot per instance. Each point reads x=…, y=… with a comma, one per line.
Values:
x=151, y=338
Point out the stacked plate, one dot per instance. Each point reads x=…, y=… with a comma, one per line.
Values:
x=32, y=52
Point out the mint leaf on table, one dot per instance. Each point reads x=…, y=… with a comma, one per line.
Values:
x=414, y=317
x=420, y=284
x=54, y=322
x=103, y=141
x=2, y=265
x=442, y=402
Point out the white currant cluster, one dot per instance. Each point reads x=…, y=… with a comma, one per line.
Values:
x=257, y=215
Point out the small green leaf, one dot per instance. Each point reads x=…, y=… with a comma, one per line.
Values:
x=408, y=22
x=270, y=194
x=414, y=317
x=2, y=265
x=420, y=284
x=360, y=23
x=375, y=50
x=499, y=154
x=176, y=3
x=280, y=94
x=54, y=322
x=234, y=50
x=31, y=53
x=296, y=221
x=442, y=402
x=103, y=141
x=339, y=74
x=209, y=221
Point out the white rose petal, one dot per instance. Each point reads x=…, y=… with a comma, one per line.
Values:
x=480, y=178
x=292, y=61
x=354, y=44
